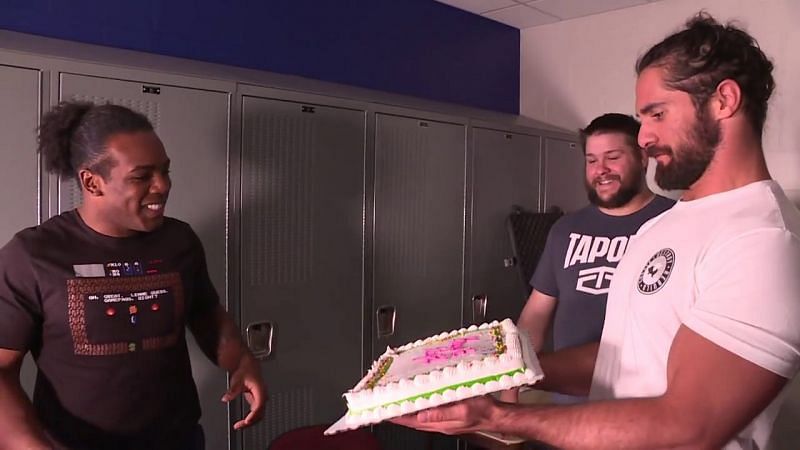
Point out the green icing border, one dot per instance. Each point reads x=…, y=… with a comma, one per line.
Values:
x=426, y=395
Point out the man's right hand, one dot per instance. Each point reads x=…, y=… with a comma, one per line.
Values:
x=509, y=396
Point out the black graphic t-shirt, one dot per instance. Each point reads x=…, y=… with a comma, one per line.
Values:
x=104, y=319
x=579, y=259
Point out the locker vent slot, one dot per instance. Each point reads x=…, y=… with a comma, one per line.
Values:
x=278, y=190
x=401, y=180
x=285, y=411
x=150, y=109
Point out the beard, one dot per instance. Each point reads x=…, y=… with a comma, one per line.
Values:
x=627, y=190
x=692, y=157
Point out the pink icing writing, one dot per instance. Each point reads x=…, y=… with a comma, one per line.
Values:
x=457, y=347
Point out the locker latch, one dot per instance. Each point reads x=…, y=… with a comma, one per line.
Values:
x=259, y=339
x=151, y=89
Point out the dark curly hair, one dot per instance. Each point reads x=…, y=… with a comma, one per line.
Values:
x=613, y=123
x=706, y=53
x=73, y=135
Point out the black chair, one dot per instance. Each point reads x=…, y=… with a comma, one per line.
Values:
x=528, y=233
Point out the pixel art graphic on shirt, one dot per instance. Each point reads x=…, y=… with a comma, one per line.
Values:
x=117, y=315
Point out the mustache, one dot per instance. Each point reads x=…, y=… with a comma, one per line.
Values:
x=656, y=150
x=597, y=180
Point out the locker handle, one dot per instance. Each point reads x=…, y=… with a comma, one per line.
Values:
x=151, y=89
x=479, y=308
x=259, y=339
x=386, y=316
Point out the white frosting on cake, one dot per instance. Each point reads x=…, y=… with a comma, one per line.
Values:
x=441, y=369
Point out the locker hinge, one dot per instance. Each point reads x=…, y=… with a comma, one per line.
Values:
x=423, y=124
x=151, y=89
x=509, y=136
x=308, y=109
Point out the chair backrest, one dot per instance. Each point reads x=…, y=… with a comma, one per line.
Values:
x=312, y=438
x=528, y=232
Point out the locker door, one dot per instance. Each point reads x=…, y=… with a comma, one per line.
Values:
x=19, y=113
x=418, y=241
x=302, y=247
x=564, y=175
x=193, y=124
x=506, y=173
x=19, y=201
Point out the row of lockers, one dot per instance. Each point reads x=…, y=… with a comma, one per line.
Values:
x=333, y=228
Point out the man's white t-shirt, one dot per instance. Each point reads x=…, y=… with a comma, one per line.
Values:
x=727, y=266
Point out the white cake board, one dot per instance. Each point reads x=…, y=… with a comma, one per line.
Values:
x=340, y=426
x=502, y=438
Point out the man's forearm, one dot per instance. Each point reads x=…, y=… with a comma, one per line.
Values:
x=220, y=338
x=569, y=371
x=19, y=427
x=624, y=424
x=231, y=349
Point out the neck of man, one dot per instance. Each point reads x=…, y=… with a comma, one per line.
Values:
x=738, y=161
x=639, y=201
x=92, y=218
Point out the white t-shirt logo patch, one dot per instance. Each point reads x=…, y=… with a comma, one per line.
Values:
x=656, y=272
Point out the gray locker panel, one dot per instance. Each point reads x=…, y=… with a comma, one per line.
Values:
x=19, y=110
x=564, y=175
x=419, y=225
x=302, y=247
x=418, y=240
x=193, y=125
x=19, y=117
x=506, y=173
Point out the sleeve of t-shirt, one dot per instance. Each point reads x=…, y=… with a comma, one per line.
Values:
x=20, y=307
x=206, y=296
x=748, y=299
x=544, y=276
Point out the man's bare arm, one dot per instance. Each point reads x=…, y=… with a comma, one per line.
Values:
x=569, y=371
x=536, y=317
x=704, y=407
x=19, y=428
x=220, y=339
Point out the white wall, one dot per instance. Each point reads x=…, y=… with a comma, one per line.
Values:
x=575, y=70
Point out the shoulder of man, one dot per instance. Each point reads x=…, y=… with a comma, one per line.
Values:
x=180, y=229
x=661, y=203
x=40, y=235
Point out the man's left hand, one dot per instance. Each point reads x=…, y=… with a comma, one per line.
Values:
x=247, y=380
x=466, y=416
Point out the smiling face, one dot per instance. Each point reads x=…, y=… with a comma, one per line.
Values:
x=133, y=196
x=681, y=138
x=614, y=170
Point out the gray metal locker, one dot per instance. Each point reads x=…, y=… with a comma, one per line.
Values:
x=418, y=241
x=19, y=166
x=193, y=125
x=302, y=255
x=505, y=174
x=564, y=175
